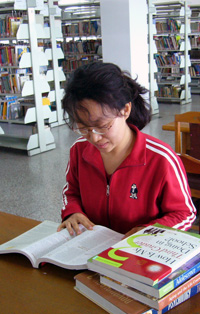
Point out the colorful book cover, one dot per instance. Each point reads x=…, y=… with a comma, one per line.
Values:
x=20, y=49
x=11, y=100
x=150, y=254
x=14, y=23
x=174, y=280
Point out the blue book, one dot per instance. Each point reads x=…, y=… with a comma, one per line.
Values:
x=179, y=276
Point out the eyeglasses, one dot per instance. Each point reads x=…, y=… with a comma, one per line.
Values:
x=99, y=131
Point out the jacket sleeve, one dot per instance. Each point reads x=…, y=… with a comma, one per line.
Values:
x=176, y=207
x=71, y=192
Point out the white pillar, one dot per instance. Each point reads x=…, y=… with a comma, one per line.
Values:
x=124, y=36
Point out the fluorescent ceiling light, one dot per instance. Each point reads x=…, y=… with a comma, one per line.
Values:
x=74, y=2
x=83, y=12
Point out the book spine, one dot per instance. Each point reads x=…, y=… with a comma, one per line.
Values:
x=179, y=280
x=169, y=298
x=188, y=274
x=184, y=297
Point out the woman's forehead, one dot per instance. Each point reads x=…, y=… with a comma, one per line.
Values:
x=94, y=112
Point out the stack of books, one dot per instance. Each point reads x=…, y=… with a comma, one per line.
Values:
x=151, y=271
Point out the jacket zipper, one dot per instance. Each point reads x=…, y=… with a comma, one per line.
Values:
x=108, y=190
x=108, y=194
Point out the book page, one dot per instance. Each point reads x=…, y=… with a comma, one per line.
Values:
x=47, y=244
x=29, y=237
x=75, y=253
x=37, y=241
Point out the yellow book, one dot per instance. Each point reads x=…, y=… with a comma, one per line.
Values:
x=46, y=101
x=4, y=110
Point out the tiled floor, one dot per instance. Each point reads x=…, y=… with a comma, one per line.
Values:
x=32, y=186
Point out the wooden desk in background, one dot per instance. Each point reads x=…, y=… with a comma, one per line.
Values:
x=47, y=290
x=185, y=129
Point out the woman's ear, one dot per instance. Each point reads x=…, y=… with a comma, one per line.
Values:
x=127, y=110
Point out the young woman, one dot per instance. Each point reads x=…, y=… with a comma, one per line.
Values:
x=118, y=176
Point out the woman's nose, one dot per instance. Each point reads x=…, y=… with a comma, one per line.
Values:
x=94, y=137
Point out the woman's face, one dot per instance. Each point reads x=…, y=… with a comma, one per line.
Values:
x=104, y=121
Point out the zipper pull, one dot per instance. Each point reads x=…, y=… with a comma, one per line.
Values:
x=108, y=190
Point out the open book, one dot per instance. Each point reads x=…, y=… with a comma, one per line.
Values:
x=44, y=244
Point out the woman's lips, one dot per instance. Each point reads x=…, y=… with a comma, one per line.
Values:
x=102, y=146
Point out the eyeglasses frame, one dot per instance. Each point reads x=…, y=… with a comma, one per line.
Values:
x=78, y=131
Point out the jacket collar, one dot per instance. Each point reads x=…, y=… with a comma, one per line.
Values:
x=137, y=157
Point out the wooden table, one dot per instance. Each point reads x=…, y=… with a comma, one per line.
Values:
x=185, y=129
x=47, y=290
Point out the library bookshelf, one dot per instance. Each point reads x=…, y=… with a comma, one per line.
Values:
x=81, y=28
x=173, y=46
x=194, y=37
x=54, y=53
x=35, y=136
x=153, y=86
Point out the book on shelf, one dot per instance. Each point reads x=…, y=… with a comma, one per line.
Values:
x=168, y=26
x=85, y=28
x=3, y=27
x=167, y=42
x=88, y=284
x=16, y=111
x=44, y=244
x=167, y=59
x=169, y=283
x=19, y=50
x=11, y=55
x=148, y=255
x=169, y=92
x=158, y=304
x=13, y=25
x=197, y=68
x=6, y=84
x=9, y=25
x=3, y=110
x=16, y=82
x=12, y=108
x=23, y=79
x=13, y=83
x=11, y=101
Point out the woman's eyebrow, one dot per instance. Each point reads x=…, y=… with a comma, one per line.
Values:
x=102, y=119
x=98, y=121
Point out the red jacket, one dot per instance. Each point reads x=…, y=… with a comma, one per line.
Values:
x=149, y=186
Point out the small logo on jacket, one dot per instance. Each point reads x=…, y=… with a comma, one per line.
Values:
x=133, y=191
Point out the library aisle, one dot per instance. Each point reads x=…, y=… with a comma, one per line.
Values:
x=32, y=186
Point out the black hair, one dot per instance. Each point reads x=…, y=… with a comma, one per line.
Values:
x=109, y=86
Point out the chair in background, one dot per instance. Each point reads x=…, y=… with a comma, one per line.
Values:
x=192, y=167
x=193, y=118
x=191, y=161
